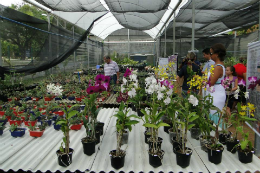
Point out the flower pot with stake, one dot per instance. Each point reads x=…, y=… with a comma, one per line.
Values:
x=214, y=148
x=89, y=142
x=183, y=154
x=171, y=110
x=123, y=122
x=152, y=120
x=65, y=154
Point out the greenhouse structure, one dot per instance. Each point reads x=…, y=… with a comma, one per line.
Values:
x=130, y=86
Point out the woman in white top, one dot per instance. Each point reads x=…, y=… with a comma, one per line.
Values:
x=217, y=53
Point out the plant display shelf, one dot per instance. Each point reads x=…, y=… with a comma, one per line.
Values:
x=28, y=153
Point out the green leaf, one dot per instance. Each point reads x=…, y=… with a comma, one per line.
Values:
x=244, y=144
x=61, y=122
x=190, y=126
x=72, y=113
x=191, y=114
x=160, y=124
x=150, y=125
x=247, y=118
x=132, y=122
x=119, y=127
x=193, y=118
x=134, y=116
x=64, y=140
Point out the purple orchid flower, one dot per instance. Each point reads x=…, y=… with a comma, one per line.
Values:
x=100, y=88
x=166, y=83
x=91, y=90
x=100, y=77
x=107, y=79
x=106, y=85
x=252, y=79
x=128, y=72
x=171, y=86
x=241, y=82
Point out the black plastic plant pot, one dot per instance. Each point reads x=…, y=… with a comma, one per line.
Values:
x=1, y=132
x=88, y=147
x=195, y=133
x=63, y=158
x=155, y=160
x=133, y=107
x=117, y=162
x=166, y=128
x=56, y=127
x=231, y=146
x=19, y=132
x=245, y=157
x=146, y=137
x=223, y=138
x=215, y=156
x=100, y=127
x=139, y=113
x=97, y=137
x=158, y=143
x=183, y=159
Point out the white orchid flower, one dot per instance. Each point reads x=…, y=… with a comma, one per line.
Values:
x=162, y=88
x=160, y=96
x=169, y=92
x=122, y=89
x=193, y=100
x=167, y=101
x=236, y=95
x=124, y=81
x=133, y=77
x=136, y=85
x=132, y=93
x=247, y=95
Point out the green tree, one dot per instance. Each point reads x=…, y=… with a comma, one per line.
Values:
x=21, y=38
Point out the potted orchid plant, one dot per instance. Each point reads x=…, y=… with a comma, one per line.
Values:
x=152, y=120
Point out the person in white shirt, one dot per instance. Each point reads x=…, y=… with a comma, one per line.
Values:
x=209, y=61
x=111, y=69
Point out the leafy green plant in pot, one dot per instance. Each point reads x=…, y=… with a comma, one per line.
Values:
x=123, y=122
x=15, y=131
x=65, y=153
x=3, y=119
x=187, y=117
x=155, y=152
x=37, y=131
x=2, y=127
x=205, y=104
x=171, y=110
x=214, y=148
x=237, y=119
x=245, y=148
x=90, y=124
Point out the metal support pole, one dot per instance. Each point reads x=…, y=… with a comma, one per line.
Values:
x=259, y=23
x=128, y=44
x=49, y=28
x=235, y=35
x=1, y=61
x=193, y=25
x=88, y=52
x=173, y=34
x=58, y=39
x=74, y=53
x=165, y=41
